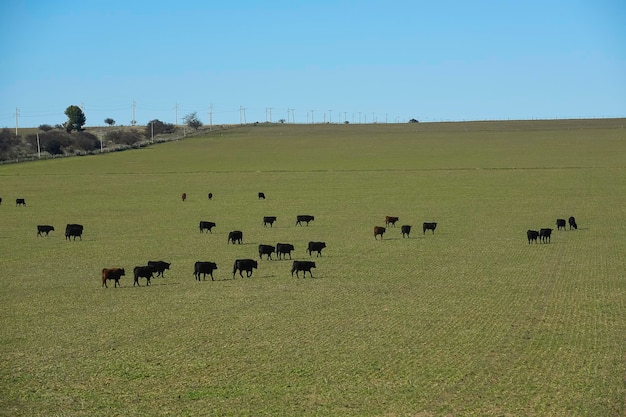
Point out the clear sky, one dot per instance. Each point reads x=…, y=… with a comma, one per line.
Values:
x=383, y=61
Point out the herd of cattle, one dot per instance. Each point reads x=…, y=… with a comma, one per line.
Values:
x=281, y=250
x=544, y=234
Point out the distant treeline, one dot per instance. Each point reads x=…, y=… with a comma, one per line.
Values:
x=53, y=142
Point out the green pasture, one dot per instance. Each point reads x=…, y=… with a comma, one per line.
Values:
x=468, y=321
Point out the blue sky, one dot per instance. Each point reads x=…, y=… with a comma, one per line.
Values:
x=329, y=60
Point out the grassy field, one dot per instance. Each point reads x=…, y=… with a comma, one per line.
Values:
x=470, y=321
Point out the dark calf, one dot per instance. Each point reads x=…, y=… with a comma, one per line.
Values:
x=44, y=229
x=429, y=226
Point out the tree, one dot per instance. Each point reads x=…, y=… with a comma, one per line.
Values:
x=45, y=128
x=192, y=120
x=75, y=119
x=8, y=144
x=109, y=121
x=157, y=127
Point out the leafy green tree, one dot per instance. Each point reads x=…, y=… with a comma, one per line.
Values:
x=109, y=121
x=45, y=127
x=75, y=119
x=192, y=120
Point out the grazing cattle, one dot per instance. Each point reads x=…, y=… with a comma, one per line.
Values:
x=316, y=247
x=379, y=231
x=283, y=249
x=560, y=223
x=572, y=223
x=304, y=218
x=210, y=196
x=269, y=220
x=391, y=220
x=0, y=200
x=206, y=226
x=44, y=229
x=204, y=268
x=261, y=196
x=532, y=236
x=266, y=250
x=244, y=265
x=304, y=266
x=159, y=267
x=145, y=271
x=406, y=230
x=235, y=236
x=184, y=197
x=73, y=230
x=544, y=235
x=429, y=226
x=112, y=274
x=20, y=202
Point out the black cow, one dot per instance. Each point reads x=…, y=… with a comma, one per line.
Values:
x=74, y=230
x=0, y=200
x=261, y=196
x=206, y=226
x=145, y=271
x=112, y=274
x=316, y=247
x=244, y=265
x=184, y=197
x=304, y=266
x=266, y=250
x=379, y=231
x=429, y=226
x=44, y=229
x=304, y=218
x=159, y=267
x=235, y=236
x=269, y=220
x=390, y=220
x=532, y=236
x=560, y=223
x=20, y=202
x=210, y=196
x=204, y=268
x=544, y=235
x=572, y=223
x=283, y=249
x=406, y=230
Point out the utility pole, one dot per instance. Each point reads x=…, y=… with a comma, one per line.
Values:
x=359, y=117
x=244, y=116
x=211, y=116
x=271, y=114
x=17, y=116
x=240, y=114
x=312, y=117
x=293, y=116
x=330, y=116
x=133, y=122
x=176, y=114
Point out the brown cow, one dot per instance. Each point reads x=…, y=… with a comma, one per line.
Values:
x=378, y=230
x=392, y=220
x=184, y=197
x=112, y=273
